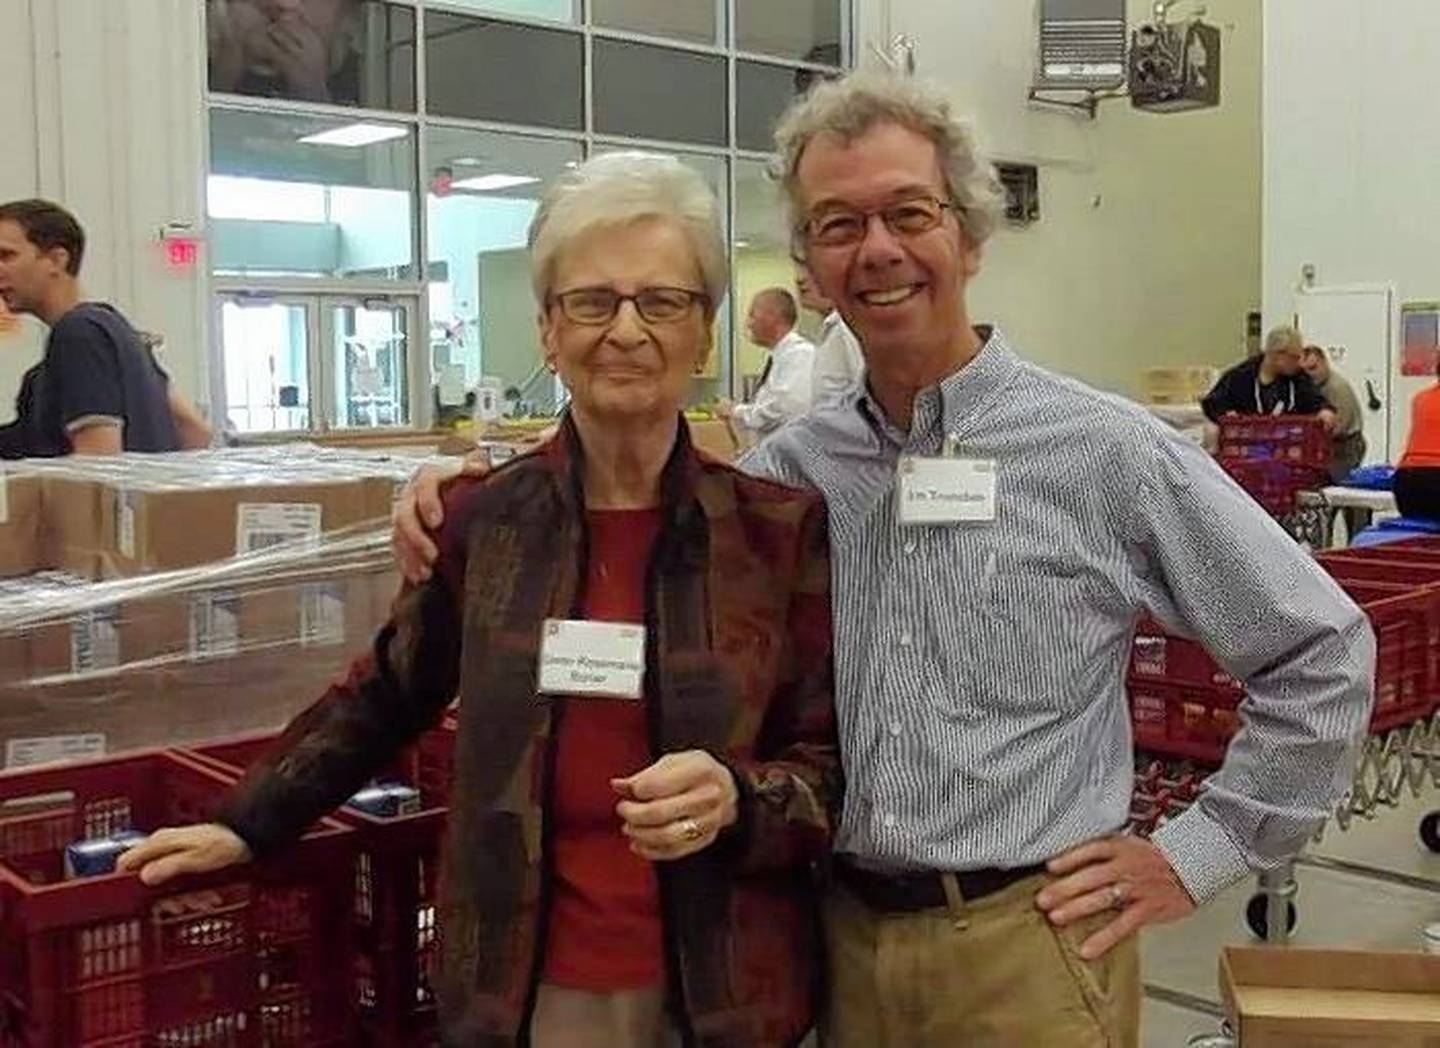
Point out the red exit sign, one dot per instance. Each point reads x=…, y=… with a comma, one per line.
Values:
x=182, y=252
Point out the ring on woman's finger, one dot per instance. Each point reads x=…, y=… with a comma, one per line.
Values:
x=1118, y=896
x=690, y=830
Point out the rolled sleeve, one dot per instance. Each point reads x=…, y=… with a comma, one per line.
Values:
x=1223, y=572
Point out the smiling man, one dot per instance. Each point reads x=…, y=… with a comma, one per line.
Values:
x=97, y=390
x=986, y=893
x=997, y=531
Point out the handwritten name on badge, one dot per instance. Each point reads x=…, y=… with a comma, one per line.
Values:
x=946, y=490
x=601, y=659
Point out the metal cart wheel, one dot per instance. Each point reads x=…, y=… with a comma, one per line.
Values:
x=1430, y=831
x=1257, y=917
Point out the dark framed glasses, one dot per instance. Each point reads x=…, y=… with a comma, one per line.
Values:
x=656, y=305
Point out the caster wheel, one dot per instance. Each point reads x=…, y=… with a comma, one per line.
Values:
x=1255, y=916
x=1430, y=831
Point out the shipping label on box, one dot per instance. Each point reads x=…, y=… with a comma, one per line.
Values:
x=214, y=624
x=260, y=525
x=50, y=749
x=125, y=503
x=95, y=641
x=322, y=614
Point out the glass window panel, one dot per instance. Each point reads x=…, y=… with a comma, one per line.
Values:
x=643, y=91
x=369, y=366
x=344, y=52
x=311, y=196
x=690, y=20
x=264, y=346
x=762, y=93
x=484, y=190
x=543, y=10
x=481, y=69
x=762, y=258
x=808, y=30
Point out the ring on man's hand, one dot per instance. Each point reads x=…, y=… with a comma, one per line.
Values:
x=1117, y=896
x=690, y=830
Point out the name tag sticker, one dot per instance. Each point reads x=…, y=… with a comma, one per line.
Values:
x=946, y=490
x=601, y=659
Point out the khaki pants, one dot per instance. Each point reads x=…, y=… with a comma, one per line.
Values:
x=566, y=1018
x=1007, y=978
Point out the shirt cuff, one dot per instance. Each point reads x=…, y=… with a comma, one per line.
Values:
x=1201, y=853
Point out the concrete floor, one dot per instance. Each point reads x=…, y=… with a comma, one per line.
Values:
x=1350, y=905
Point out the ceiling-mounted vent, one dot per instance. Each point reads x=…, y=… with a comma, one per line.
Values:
x=1082, y=45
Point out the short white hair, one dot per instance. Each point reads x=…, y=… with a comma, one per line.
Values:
x=617, y=189
x=1284, y=339
x=852, y=105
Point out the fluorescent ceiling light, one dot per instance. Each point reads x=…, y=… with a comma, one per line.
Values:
x=493, y=182
x=353, y=135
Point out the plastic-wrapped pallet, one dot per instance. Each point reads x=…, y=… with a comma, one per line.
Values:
x=170, y=600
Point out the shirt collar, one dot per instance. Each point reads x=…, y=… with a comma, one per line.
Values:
x=787, y=341
x=950, y=405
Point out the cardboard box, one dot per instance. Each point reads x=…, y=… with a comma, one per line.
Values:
x=20, y=551
x=1278, y=997
x=143, y=529
x=716, y=437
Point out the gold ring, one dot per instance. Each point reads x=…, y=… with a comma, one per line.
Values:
x=690, y=830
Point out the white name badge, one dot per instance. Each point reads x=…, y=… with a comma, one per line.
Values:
x=603, y=659
x=946, y=490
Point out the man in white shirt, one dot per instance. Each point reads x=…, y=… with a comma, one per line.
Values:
x=785, y=385
x=839, y=366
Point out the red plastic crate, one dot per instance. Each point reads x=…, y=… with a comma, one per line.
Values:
x=250, y=956
x=1353, y=570
x=395, y=888
x=1182, y=712
x=1160, y=656
x=1274, y=483
x=1297, y=440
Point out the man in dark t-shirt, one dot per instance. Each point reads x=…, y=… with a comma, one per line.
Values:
x=97, y=389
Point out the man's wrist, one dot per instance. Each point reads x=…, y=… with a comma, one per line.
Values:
x=1201, y=854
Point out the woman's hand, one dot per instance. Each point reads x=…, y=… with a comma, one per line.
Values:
x=677, y=806
x=185, y=849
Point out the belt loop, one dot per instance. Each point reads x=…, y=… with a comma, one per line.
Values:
x=955, y=901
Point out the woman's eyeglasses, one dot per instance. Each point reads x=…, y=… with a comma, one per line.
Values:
x=656, y=305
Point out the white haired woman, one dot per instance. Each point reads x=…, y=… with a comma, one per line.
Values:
x=631, y=841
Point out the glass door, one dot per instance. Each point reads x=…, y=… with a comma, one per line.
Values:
x=369, y=342
x=265, y=347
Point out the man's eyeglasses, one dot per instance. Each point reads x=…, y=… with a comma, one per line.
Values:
x=843, y=227
x=657, y=305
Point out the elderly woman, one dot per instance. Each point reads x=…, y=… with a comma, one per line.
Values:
x=640, y=638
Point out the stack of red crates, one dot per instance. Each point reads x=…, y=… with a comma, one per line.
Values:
x=394, y=897
x=245, y=956
x=1275, y=457
x=1184, y=706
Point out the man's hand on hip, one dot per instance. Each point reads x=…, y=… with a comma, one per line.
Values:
x=1126, y=874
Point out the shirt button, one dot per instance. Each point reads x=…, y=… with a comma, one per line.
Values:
x=894, y=727
x=906, y=640
x=910, y=546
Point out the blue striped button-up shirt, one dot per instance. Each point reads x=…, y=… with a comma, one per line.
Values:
x=980, y=668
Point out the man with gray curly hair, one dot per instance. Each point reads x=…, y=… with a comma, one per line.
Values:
x=998, y=530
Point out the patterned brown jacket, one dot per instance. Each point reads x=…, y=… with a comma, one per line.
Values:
x=738, y=664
